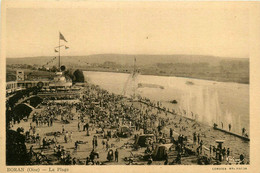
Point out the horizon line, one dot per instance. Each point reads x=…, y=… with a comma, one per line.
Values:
x=231, y=57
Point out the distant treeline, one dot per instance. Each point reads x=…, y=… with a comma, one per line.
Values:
x=226, y=71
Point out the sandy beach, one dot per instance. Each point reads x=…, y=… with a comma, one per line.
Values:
x=184, y=126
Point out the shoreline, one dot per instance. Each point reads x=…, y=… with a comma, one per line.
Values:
x=161, y=75
x=190, y=119
x=164, y=98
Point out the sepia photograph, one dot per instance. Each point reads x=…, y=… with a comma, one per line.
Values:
x=128, y=84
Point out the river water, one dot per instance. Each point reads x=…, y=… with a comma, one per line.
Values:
x=207, y=101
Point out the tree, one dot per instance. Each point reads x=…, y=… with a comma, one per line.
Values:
x=79, y=76
x=16, y=153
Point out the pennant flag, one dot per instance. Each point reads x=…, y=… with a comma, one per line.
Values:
x=66, y=47
x=62, y=37
x=56, y=50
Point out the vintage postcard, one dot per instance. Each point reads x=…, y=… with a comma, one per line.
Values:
x=130, y=86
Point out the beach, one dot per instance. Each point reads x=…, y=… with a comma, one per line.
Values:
x=180, y=125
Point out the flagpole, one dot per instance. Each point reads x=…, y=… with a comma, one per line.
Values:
x=59, y=52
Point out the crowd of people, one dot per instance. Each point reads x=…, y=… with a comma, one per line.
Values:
x=103, y=114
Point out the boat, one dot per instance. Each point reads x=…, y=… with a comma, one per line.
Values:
x=173, y=101
x=131, y=83
x=147, y=85
x=189, y=83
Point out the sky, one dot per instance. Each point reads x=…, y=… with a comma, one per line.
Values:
x=128, y=30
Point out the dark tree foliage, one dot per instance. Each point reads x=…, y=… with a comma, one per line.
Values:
x=16, y=153
x=79, y=76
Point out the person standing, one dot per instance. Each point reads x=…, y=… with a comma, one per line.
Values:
x=241, y=157
x=34, y=130
x=63, y=129
x=107, y=145
x=116, y=155
x=171, y=132
x=103, y=143
x=66, y=137
x=229, y=127
x=79, y=126
x=74, y=161
x=198, y=138
x=96, y=142
x=194, y=138
x=37, y=122
x=224, y=152
x=243, y=131
x=48, y=121
x=44, y=142
x=93, y=142
x=51, y=121
x=228, y=152
x=87, y=127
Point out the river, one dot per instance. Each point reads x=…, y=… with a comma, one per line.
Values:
x=207, y=101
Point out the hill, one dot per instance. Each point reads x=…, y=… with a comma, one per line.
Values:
x=123, y=59
x=224, y=69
